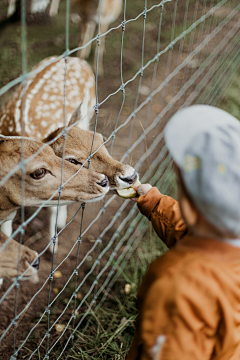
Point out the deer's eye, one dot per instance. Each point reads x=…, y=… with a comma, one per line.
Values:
x=38, y=174
x=74, y=161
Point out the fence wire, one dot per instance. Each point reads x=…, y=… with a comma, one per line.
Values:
x=195, y=57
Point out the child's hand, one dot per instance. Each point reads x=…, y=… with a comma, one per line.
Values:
x=141, y=190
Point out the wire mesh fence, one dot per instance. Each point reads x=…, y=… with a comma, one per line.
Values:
x=160, y=56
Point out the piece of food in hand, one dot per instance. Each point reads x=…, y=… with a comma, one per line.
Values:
x=129, y=192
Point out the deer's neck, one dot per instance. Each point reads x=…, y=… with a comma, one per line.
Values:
x=7, y=215
x=7, y=209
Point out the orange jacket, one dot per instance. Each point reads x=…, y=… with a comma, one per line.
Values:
x=189, y=299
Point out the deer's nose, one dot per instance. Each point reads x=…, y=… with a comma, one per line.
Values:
x=104, y=183
x=130, y=179
x=36, y=263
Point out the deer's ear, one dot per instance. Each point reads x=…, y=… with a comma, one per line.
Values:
x=76, y=116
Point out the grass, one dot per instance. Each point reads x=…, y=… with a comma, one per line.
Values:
x=108, y=332
x=230, y=100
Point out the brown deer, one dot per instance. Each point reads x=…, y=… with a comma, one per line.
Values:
x=78, y=142
x=88, y=10
x=42, y=177
x=44, y=94
x=16, y=260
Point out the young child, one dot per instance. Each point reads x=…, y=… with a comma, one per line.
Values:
x=189, y=299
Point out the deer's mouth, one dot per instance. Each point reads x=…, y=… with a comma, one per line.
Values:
x=126, y=180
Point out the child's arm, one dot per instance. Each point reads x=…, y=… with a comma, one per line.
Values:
x=164, y=213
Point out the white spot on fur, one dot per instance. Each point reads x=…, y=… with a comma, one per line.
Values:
x=44, y=123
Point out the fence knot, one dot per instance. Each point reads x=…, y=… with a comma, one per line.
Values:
x=50, y=276
x=133, y=114
x=75, y=272
x=47, y=335
x=75, y=294
x=156, y=58
x=46, y=357
x=114, y=134
x=17, y=284
x=141, y=72
x=145, y=14
x=89, y=159
x=162, y=6
x=99, y=240
x=98, y=39
x=171, y=45
x=122, y=87
x=83, y=205
x=64, y=133
x=96, y=108
x=123, y=25
x=22, y=231
x=98, y=262
x=79, y=239
x=14, y=322
x=60, y=190
x=54, y=239
x=13, y=357
x=149, y=99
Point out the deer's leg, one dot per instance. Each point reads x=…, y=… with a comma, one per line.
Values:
x=54, y=7
x=61, y=222
x=87, y=32
x=11, y=7
x=6, y=227
x=52, y=229
x=103, y=28
x=62, y=216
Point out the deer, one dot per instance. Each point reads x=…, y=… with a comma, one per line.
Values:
x=77, y=144
x=41, y=179
x=17, y=260
x=44, y=93
x=88, y=11
x=35, y=6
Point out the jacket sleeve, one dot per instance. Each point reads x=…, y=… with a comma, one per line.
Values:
x=179, y=320
x=164, y=213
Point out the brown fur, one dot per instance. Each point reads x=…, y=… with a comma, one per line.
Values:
x=78, y=146
x=44, y=99
x=82, y=187
x=15, y=259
